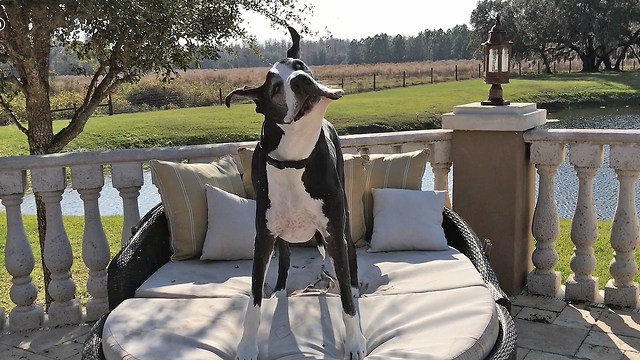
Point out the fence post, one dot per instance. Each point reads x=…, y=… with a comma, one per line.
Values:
x=432, y=75
x=538, y=62
x=570, y=65
x=164, y=94
x=220, y=96
x=374, y=82
x=519, y=68
x=342, y=83
x=404, y=78
x=110, y=105
x=456, y=72
x=479, y=71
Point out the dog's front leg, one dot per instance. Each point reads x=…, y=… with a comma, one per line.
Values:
x=248, y=347
x=355, y=343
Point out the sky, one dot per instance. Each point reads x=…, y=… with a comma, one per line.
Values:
x=356, y=19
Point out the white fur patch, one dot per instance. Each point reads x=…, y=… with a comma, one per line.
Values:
x=248, y=346
x=293, y=214
x=355, y=343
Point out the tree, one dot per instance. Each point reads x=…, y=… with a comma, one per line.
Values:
x=125, y=39
x=398, y=46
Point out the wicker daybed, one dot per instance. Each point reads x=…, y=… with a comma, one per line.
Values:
x=149, y=250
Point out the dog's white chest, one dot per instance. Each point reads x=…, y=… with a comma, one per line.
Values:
x=293, y=214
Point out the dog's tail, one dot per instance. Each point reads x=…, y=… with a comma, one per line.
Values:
x=320, y=244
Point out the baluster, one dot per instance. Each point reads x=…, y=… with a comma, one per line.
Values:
x=18, y=256
x=621, y=290
x=58, y=256
x=586, y=159
x=441, y=160
x=543, y=280
x=128, y=179
x=88, y=181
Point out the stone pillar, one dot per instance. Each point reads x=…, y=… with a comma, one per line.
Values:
x=494, y=182
x=128, y=179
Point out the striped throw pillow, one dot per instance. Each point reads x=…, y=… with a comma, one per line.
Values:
x=398, y=171
x=183, y=193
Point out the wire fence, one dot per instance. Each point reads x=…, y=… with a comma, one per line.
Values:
x=197, y=91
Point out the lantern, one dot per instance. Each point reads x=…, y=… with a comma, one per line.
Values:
x=497, y=52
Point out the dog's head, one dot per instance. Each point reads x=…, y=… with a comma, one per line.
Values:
x=290, y=90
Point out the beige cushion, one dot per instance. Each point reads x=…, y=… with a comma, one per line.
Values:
x=245, y=155
x=398, y=171
x=407, y=220
x=459, y=324
x=390, y=273
x=354, y=176
x=230, y=233
x=182, y=190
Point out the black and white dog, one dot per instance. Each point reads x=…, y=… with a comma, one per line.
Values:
x=298, y=178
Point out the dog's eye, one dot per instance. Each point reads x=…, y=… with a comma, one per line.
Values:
x=276, y=89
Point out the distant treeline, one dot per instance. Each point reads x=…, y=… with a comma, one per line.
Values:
x=428, y=45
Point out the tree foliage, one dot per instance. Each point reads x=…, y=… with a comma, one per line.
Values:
x=596, y=31
x=121, y=40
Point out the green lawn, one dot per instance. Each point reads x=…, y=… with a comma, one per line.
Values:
x=395, y=109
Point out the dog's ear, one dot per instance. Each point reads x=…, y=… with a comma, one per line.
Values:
x=249, y=92
x=294, y=51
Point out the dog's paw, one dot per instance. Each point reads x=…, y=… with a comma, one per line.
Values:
x=247, y=350
x=356, y=349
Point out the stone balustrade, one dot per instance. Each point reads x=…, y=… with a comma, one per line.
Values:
x=48, y=181
x=586, y=154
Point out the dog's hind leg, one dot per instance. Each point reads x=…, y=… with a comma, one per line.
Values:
x=284, y=261
x=248, y=347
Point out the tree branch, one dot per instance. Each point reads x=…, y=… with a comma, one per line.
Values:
x=7, y=109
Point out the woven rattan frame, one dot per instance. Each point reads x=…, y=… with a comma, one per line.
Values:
x=149, y=249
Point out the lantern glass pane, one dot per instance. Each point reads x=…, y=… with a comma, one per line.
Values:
x=505, y=60
x=493, y=60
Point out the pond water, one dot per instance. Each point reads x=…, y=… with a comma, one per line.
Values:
x=566, y=182
x=605, y=185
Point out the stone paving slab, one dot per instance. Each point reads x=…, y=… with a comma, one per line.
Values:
x=615, y=341
x=619, y=322
x=578, y=316
x=58, y=343
x=539, y=355
x=549, y=338
x=538, y=302
x=593, y=352
x=8, y=352
x=631, y=355
x=537, y=315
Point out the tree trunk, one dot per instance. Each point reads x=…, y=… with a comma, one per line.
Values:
x=39, y=134
x=621, y=57
x=545, y=60
x=589, y=61
x=606, y=60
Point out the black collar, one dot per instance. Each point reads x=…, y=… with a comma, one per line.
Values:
x=295, y=164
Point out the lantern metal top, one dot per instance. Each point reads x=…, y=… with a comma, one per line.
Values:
x=497, y=35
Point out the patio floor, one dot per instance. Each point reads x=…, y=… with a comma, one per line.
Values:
x=548, y=329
